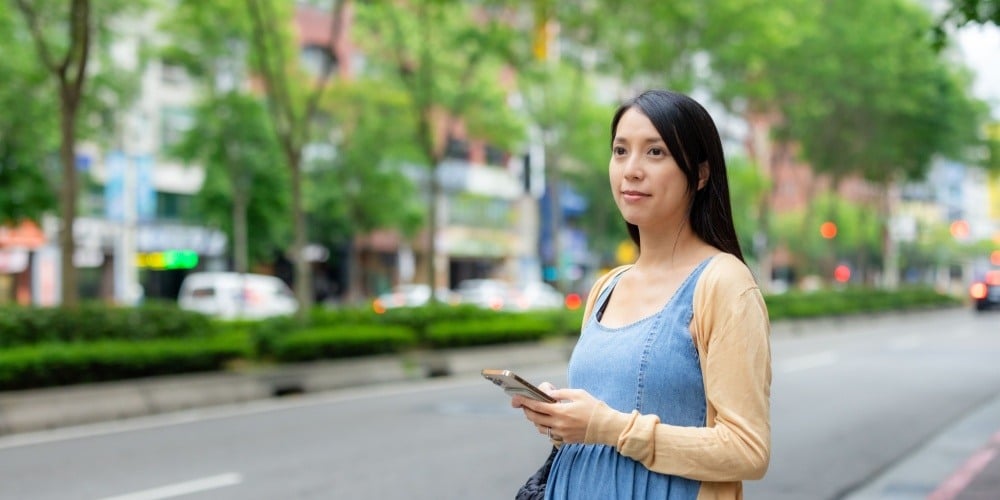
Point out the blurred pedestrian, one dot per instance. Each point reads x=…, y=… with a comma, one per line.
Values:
x=669, y=383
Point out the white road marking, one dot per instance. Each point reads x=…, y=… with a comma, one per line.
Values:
x=809, y=361
x=185, y=488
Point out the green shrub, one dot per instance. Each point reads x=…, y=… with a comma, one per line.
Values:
x=57, y=363
x=488, y=331
x=825, y=303
x=341, y=341
x=95, y=322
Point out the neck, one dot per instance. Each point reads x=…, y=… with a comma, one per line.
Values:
x=671, y=246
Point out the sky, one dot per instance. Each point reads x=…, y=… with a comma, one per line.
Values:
x=980, y=47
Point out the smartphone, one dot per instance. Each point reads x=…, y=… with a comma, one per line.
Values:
x=513, y=384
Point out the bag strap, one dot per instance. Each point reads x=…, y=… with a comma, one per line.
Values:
x=598, y=288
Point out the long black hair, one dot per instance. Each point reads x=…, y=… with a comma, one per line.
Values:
x=693, y=140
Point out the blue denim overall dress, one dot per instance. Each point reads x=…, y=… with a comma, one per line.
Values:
x=650, y=365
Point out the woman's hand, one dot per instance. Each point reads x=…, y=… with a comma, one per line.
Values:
x=567, y=419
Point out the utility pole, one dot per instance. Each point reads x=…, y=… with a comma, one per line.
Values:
x=543, y=54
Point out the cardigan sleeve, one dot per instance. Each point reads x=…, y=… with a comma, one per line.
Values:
x=731, y=330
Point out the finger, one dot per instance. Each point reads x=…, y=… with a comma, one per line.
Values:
x=536, y=406
x=565, y=394
x=546, y=387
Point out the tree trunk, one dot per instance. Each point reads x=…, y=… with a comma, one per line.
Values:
x=890, y=249
x=303, y=283
x=68, y=196
x=240, y=232
x=432, y=230
x=760, y=146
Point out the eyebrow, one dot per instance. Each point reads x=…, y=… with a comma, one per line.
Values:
x=647, y=140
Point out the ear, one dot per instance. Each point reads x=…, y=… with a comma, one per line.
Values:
x=703, y=171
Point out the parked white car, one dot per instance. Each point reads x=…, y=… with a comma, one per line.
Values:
x=486, y=293
x=231, y=295
x=412, y=295
x=538, y=295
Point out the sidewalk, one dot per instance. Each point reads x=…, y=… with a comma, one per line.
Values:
x=961, y=463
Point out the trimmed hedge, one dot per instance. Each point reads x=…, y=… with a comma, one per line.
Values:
x=56, y=363
x=826, y=303
x=96, y=322
x=485, y=331
x=42, y=347
x=342, y=341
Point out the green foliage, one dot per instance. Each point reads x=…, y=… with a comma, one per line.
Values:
x=97, y=322
x=858, y=238
x=324, y=342
x=28, y=125
x=441, y=60
x=485, y=332
x=963, y=12
x=52, y=356
x=645, y=42
x=831, y=303
x=374, y=125
x=54, y=363
x=232, y=140
x=887, y=123
x=747, y=187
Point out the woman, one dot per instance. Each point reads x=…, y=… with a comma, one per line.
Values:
x=670, y=380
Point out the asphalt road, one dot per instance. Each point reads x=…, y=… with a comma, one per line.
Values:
x=848, y=401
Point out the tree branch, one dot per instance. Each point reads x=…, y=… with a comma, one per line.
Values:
x=36, y=34
x=279, y=103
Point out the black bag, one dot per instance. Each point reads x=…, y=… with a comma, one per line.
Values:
x=534, y=487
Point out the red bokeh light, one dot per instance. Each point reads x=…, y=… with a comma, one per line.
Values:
x=828, y=230
x=842, y=273
x=573, y=301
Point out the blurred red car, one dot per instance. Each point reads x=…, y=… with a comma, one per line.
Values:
x=985, y=293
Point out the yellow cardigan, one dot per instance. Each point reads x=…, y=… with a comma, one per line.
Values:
x=731, y=331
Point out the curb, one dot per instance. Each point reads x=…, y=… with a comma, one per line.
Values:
x=48, y=408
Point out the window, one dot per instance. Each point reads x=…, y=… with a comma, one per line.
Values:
x=174, y=123
x=457, y=148
x=495, y=156
x=318, y=60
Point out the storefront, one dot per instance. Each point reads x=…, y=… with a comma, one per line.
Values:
x=17, y=244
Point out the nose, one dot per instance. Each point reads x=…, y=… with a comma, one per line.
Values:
x=633, y=168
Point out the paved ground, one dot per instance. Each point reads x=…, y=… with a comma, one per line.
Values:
x=962, y=463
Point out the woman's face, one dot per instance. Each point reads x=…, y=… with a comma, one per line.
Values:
x=648, y=186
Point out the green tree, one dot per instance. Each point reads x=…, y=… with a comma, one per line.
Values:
x=67, y=38
x=884, y=120
x=448, y=62
x=750, y=74
x=748, y=188
x=232, y=137
x=243, y=189
x=293, y=97
x=27, y=127
x=962, y=12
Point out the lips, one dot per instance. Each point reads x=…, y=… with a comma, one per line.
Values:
x=630, y=195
